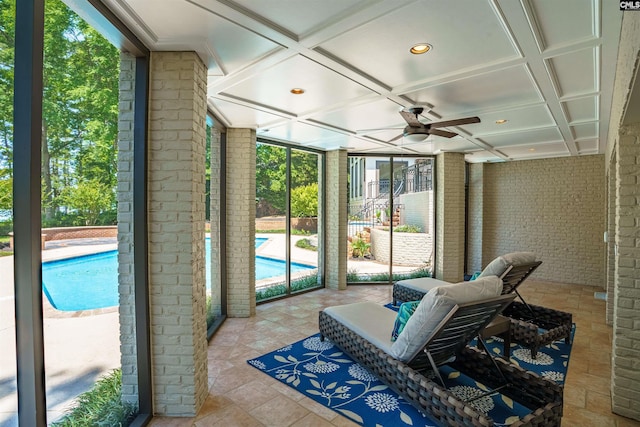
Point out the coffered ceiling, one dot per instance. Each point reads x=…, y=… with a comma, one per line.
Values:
x=545, y=66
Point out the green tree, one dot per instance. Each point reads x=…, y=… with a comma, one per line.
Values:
x=89, y=199
x=304, y=201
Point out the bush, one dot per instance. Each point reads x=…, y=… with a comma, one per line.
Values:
x=6, y=227
x=406, y=228
x=306, y=244
x=304, y=201
x=101, y=406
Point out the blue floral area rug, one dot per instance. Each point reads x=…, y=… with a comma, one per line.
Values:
x=324, y=373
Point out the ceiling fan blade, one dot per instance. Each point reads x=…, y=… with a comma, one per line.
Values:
x=442, y=133
x=395, y=138
x=456, y=122
x=364, y=131
x=410, y=117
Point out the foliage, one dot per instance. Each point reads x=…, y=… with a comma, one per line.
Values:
x=297, y=285
x=354, y=277
x=6, y=189
x=406, y=228
x=271, y=173
x=101, y=406
x=89, y=199
x=304, y=201
x=360, y=247
x=210, y=314
x=6, y=227
x=306, y=244
x=80, y=105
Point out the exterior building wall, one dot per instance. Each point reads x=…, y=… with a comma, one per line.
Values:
x=474, y=218
x=336, y=220
x=411, y=249
x=241, y=222
x=417, y=209
x=552, y=207
x=625, y=380
x=450, y=217
x=176, y=185
x=128, y=354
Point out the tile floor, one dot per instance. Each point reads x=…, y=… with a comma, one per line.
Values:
x=240, y=396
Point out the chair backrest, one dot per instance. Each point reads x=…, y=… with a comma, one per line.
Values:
x=514, y=275
x=462, y=324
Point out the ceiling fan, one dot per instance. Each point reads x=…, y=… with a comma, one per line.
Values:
x=417, y=128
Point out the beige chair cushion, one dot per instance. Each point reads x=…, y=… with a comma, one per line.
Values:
x=435, y=305
x=499, y=265
x=422, y=284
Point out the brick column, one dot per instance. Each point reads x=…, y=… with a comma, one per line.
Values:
x=176, y=183
x=336, y=231
x=125, y=229
x=475, y=217
x=450, y=217
x=214, y=216
x=241, y=222
x=625, y=380
x=610, y=268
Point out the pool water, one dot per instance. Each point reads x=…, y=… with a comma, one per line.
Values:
x=91, y=281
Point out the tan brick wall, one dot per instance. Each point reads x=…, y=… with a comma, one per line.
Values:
x=128, y=355
x=450, y=217
x=625, y=384
x=610, y=270
x=475, y=217
x=214, y=215
x=176, y=232
x=241, y=217
x=336, y=220
x=552, y=207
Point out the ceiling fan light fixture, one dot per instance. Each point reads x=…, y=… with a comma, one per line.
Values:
x=420, y=48
x=297, y=91
x=416, y=137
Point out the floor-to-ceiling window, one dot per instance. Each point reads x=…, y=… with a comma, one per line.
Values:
x=288, y=205
x=66, y=131
x=391, y=214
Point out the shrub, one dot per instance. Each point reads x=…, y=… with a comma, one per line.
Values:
x=360, y=247
x=406, y=228
x=304, y=201
x=306, y=244
x=6, y=227
x=101, y=406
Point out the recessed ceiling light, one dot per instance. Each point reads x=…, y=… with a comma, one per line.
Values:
x=420, y=48
x=532, y=149
x=297, y=91
x=501, y=121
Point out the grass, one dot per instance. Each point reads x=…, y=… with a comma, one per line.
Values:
x=101, y=406
x=306, y=244
x=354, y=277
x=301, y=284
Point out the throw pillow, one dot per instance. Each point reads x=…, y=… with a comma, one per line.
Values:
x=404, y=313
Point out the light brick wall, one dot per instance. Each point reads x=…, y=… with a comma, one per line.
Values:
x=241, y=220
x=625, y=383
x=552, y=207
x=450, y=217
x=416, y=210
x=176, y=185
x=128, y=355
x=214, y=215
x=336, y=221
x=475, y=217
x=611, y=244
x=412, y=249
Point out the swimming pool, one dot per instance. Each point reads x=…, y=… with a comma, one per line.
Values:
x=91, y=281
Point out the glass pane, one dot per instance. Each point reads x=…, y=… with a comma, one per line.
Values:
x=212, y=213
x=271, y=222
x=413, y=217
x=305, y=200
x=369, y=217
x=79, y=182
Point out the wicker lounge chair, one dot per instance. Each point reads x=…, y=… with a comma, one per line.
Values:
x=532, y=326
x=437, y=333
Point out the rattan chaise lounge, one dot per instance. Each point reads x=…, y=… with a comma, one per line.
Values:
x=444, y=322
x=532, y=326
